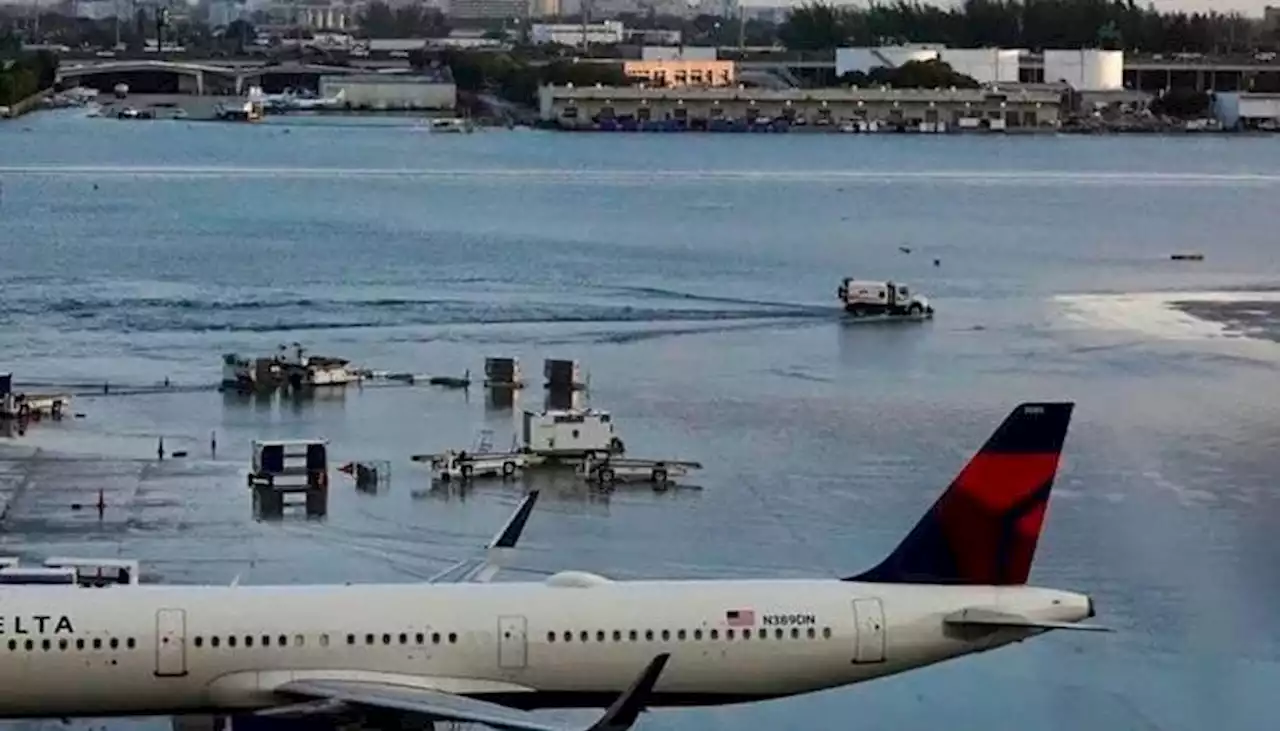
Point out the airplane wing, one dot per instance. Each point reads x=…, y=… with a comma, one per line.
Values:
x=980, y=616
x=481, y=570
x=327, y=696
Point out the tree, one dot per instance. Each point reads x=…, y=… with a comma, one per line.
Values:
x=240, y=31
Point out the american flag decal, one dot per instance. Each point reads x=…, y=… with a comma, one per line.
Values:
x=740, y=617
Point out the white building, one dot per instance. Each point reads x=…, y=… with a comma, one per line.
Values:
x=984, y=65
x=102, y=9
x=1240, y=110
x=392, y=91
x=851, y=60
x=572, y=34
x=1085, y=69
x=545, y=8
x=225, y=12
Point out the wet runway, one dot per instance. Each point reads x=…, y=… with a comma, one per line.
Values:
x=693, y=282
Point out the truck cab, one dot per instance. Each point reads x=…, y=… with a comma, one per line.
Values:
x=863, y=298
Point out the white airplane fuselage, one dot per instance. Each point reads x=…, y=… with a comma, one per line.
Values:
x=572, y=641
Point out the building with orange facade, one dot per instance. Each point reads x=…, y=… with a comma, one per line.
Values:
x=679, y=72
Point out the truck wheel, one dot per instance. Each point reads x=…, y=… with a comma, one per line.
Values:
x=508, y=468
x=660, y=476
x=466, y=471
x=915, y=309
x=606, y=476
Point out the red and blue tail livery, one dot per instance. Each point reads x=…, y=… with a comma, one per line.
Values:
x=984, y=528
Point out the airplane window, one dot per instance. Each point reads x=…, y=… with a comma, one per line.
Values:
x=746, y=634
x=715, y=634
x=351, y=639
x=728, y=634
x=248, y=640
x=568, y=636
x=680, y=635
x=115, y=643
x=826, y=632
x=453, y=637
x=585, y=636
x=298, y=640
x=795, y=633
x=62, y=643
x=130, y=643
x=633, y=635
x=648, y=634
x=324, y=640
x=697, y=634
x=666, y=635
x=386, y=639
x=46, y=644
x=213, y=641
x=29, y=645
x=79, y=643
x=551, y=636
x=600, y=636
x=368, y=639
x=13, y=644
x=435, y=637
x=420, y=638
x=764, y=634
x=404, y=638
x=812, y=634
x=265, y=641
x=231, y=641
x=282, y=640
x=199, y=641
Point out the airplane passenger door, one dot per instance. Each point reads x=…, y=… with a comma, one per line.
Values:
x=171, y=642
x=869, y=619
x=512, y=643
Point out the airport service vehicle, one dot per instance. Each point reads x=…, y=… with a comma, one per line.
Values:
x=570, y=433
x=611, y=470
x=884, y=299
x=463, y=465
x=484, y=653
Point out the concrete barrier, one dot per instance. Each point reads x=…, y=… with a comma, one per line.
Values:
x=25, y=105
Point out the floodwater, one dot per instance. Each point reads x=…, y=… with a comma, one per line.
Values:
x=693, y=277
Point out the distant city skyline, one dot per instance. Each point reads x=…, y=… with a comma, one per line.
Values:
x=1247, y=7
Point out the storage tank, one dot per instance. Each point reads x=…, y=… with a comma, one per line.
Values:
x=1085, y=69
x=984, y=65
x=866, y=58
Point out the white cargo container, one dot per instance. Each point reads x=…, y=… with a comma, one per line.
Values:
x=570, y=433
x=866, y=298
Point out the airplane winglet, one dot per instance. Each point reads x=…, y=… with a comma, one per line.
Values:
x=481, y=570
x=624, y=712
x=510, y=533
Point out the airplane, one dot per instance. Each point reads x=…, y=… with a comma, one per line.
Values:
x=289, y=100
x=492, y=653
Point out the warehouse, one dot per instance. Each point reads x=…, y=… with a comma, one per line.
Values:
x=708, y=107
x=434, y=92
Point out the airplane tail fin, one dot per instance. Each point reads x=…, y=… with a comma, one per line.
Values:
x=984, y=528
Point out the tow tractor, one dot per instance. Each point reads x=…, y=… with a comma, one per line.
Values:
x=482, y=461
x=882, y=300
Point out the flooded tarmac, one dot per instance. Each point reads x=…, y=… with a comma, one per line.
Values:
x=702, y=309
